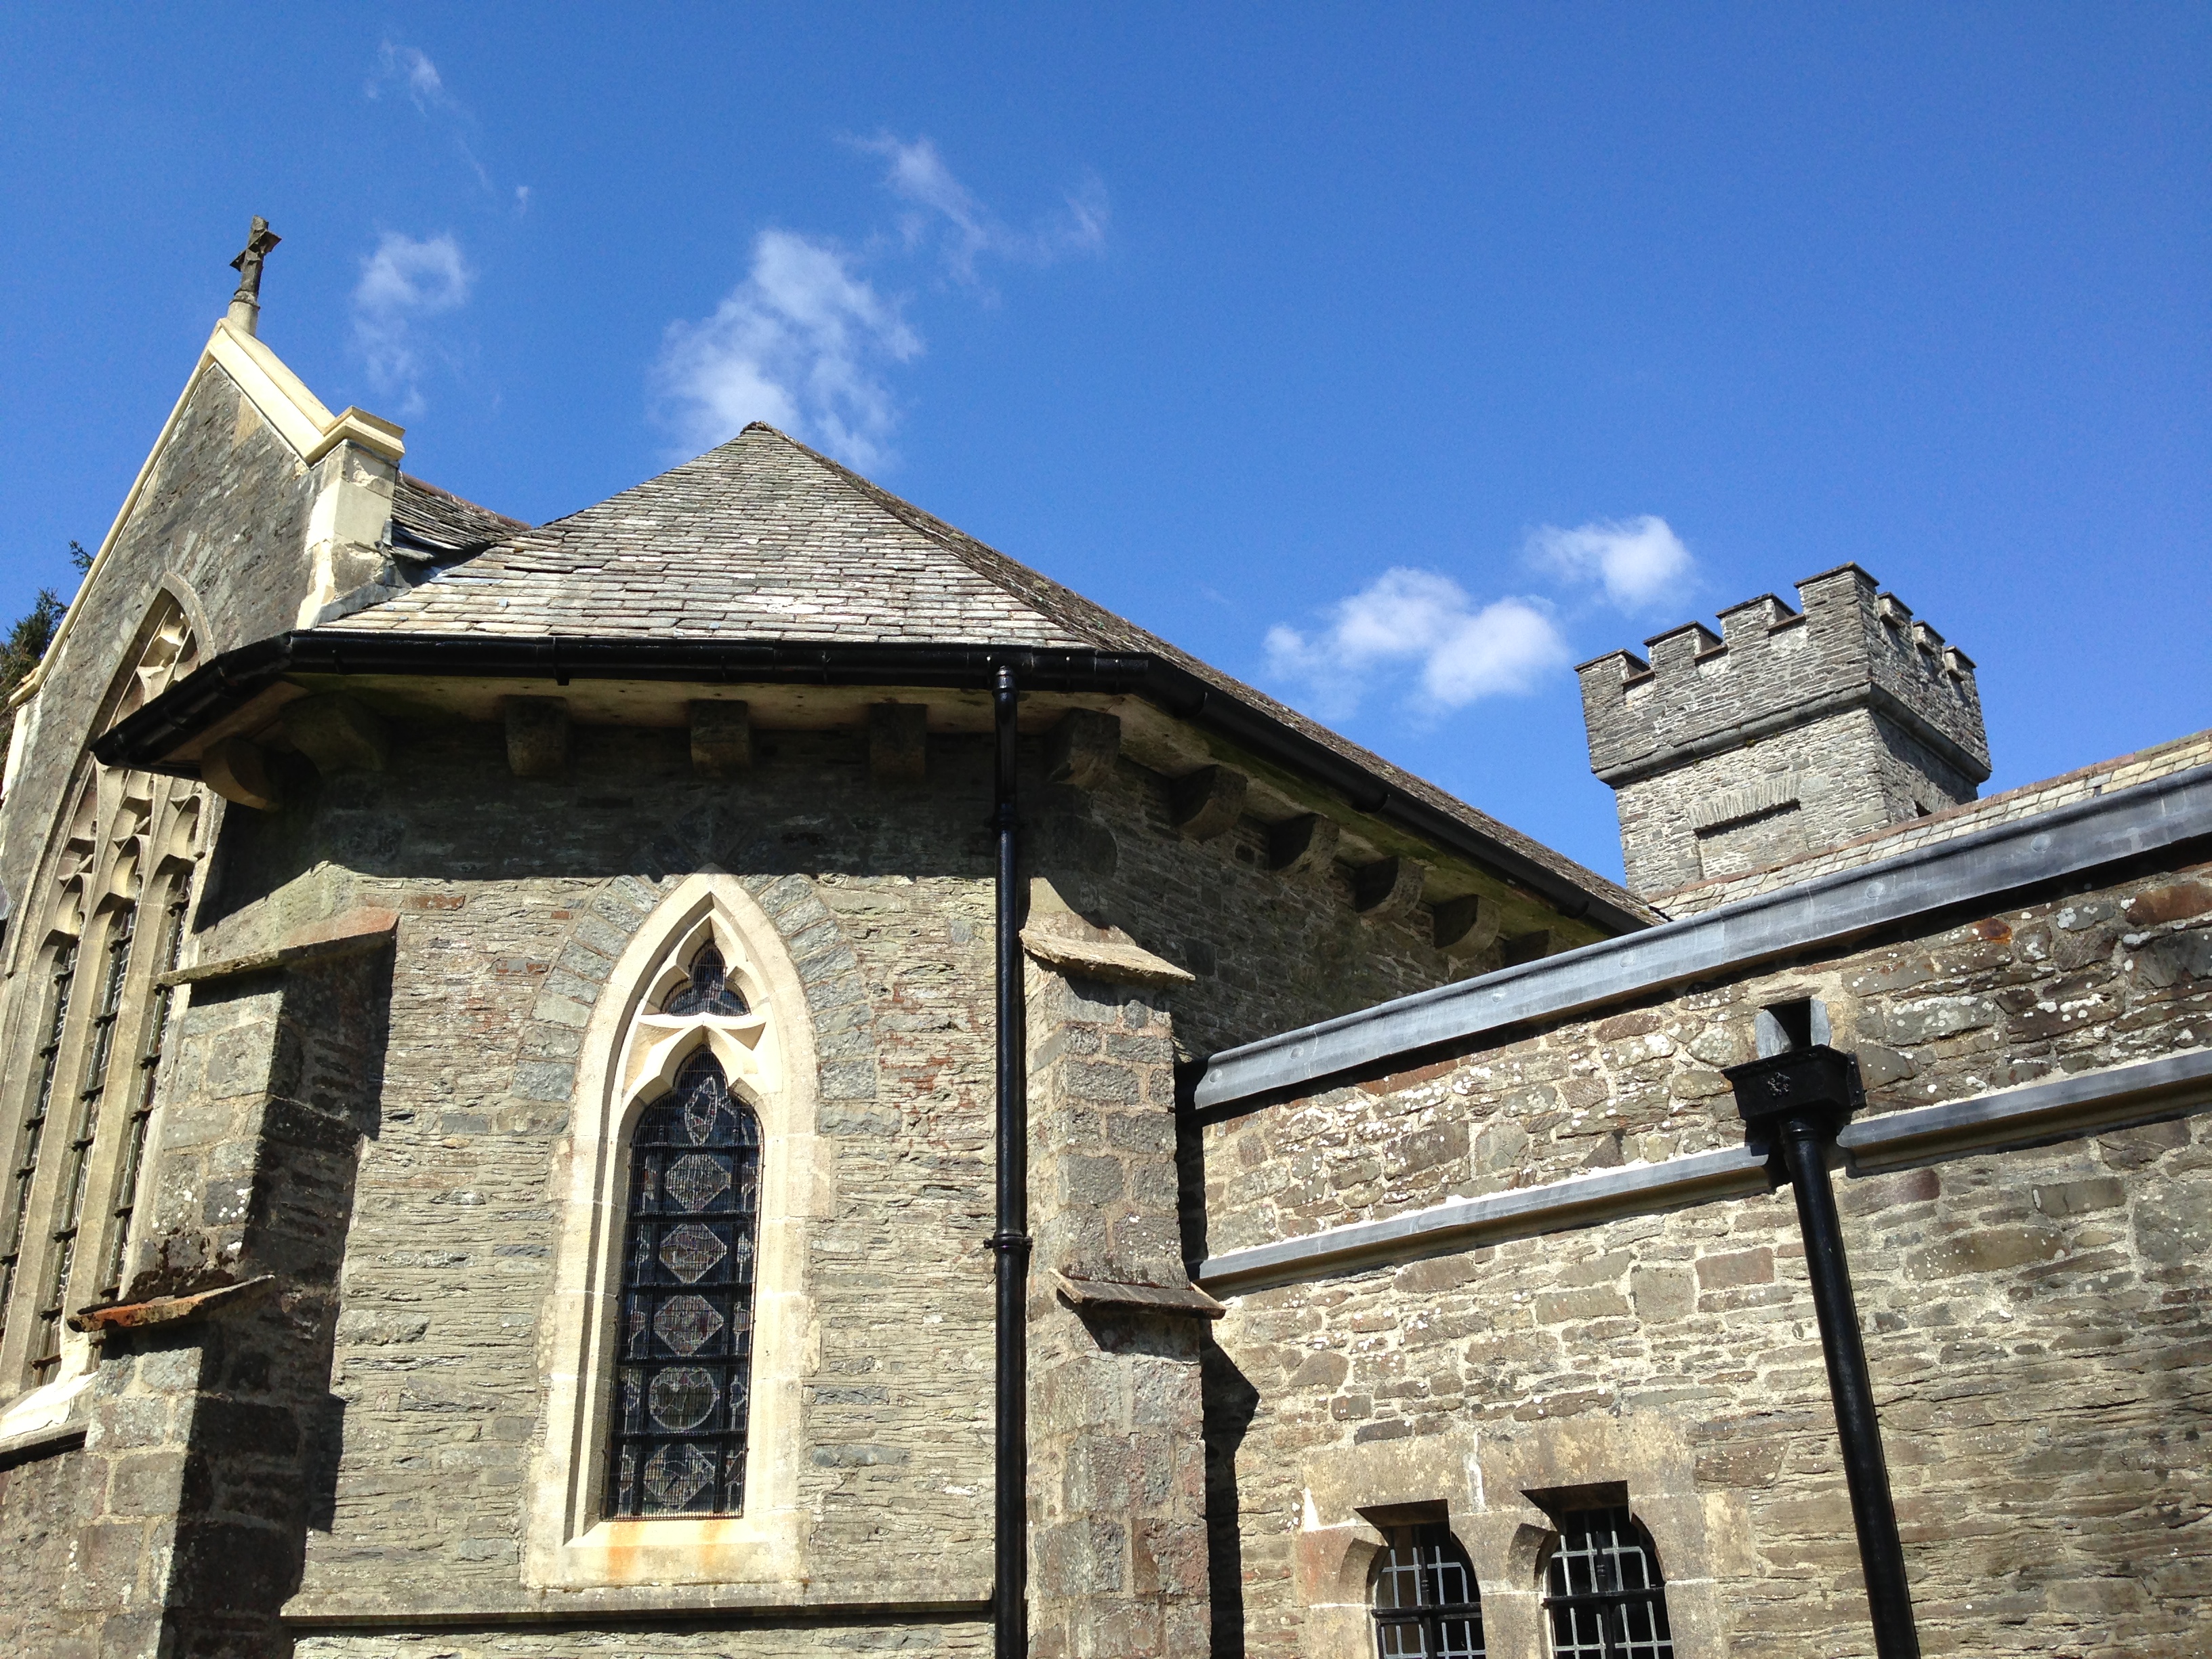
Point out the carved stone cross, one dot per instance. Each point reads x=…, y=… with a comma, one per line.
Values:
x=259, y=239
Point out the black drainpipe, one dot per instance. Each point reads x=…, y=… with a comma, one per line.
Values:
x=1009, y=1612
x=1796, y=1100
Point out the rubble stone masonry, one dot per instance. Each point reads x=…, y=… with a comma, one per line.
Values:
x=2036, y=1319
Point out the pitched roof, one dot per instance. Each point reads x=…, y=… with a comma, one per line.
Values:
x=763, y=540
x=427, y=519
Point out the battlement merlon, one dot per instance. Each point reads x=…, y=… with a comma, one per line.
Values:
x=1770, y=669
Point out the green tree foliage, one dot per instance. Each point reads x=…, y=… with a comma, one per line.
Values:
x=26, y=643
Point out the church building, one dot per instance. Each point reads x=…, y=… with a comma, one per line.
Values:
x=739, y=1074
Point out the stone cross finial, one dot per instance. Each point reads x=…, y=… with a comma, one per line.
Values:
x=246, y=304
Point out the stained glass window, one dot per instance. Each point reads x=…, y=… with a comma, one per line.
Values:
x=34, y=1125
x=683, y=1364
x=1426, y=1606
x=92, y=1089
x=709, y=991
x=1607, y=1599
x=141, y=1111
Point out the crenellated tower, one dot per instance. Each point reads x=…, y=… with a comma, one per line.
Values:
x=1789, y=732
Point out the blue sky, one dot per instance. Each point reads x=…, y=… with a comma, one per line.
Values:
x=1393, y=359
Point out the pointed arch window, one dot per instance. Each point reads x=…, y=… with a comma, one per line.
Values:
x=127, y=848
x=1606, y=1597
x=1425, y=1603
x=684, y=1370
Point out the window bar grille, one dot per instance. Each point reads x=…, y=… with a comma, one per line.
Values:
x=77, y=1158
x=127, y=1177
x=35, y=1126
x=1607, y=1600
x=1425, y=1603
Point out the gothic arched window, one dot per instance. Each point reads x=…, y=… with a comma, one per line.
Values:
x=1606, y=1598
x=684, y=1353
x=1426, y=1606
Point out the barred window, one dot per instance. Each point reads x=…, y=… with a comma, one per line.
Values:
x=1425, y=1603
x=1607, y=1599
x=63, y=976
x=685, y=1357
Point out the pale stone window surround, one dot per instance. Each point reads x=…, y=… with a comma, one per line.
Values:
x=1485, y=1477
x=629, y=1056
x=129, y=841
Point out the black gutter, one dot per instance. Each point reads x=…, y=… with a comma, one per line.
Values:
x=1010, y=1244
x=232, y=679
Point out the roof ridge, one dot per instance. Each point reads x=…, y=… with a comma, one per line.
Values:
x=1068, y=609
x=425, y=485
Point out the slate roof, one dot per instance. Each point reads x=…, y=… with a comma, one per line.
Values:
x=763, y=540
x=429, y=519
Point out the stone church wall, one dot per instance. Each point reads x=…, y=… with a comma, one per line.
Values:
x=1272, y=950
x=226, y=511
x=515, y=897
x=2035, y=1318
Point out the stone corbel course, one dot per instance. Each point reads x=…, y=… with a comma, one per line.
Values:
x=1207, y=803
x=898, y=742
x=1082, y=749
x=536, y=736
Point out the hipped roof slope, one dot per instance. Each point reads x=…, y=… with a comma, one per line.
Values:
x=764, y=539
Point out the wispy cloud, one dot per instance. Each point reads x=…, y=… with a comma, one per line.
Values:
x=408, y=72
x=406, y=281
x=808, y=341
x=1639, y=561
x=944, y=210
x=404, y=68
x=803, y=344
x=1417, y=632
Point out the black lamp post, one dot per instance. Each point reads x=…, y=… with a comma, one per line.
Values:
x=1796, y=1100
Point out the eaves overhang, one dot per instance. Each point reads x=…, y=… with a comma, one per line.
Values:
x=1967, y=873
x=149, y=739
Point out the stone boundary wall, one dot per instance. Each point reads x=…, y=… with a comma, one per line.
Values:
x=2036, y=1318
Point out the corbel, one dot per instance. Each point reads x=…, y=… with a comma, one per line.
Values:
x=721, y=739
x=1207, y=802
x=536, y=736
x=338, y=733
x=1082, y=749
x=238, y=771
x=898, y=742
x=1307, y=843
x=1389, y=888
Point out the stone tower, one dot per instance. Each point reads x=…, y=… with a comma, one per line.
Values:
x=1792, y=731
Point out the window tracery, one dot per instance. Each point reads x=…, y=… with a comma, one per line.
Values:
x=681, y=1407
x=1425, y=1599
x=65, y=1216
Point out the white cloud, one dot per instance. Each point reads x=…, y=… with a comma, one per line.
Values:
x=1420, y=621
x=1640, y=560
x=801, y=344
x=412, y=72
x=403, y=282
x=919, y=177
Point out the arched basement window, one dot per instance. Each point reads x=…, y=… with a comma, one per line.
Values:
x=1426, y=1606
x=684, y=1353
x=1607, y=1599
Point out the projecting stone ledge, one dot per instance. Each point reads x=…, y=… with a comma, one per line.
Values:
x=1065, y=942
x=1123, y=1296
